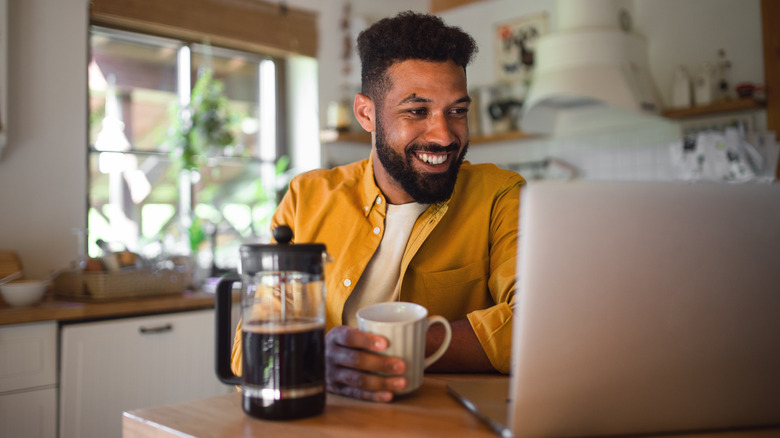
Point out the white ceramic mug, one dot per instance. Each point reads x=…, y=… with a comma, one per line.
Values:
x=405, y=326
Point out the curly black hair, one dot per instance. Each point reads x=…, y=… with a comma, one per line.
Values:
x=408, y=35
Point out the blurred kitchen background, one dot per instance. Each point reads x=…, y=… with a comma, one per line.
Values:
x=94, y=153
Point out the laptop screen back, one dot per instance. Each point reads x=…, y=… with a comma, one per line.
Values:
x=646, y=307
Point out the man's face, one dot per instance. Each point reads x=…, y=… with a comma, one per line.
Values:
x=421, y=131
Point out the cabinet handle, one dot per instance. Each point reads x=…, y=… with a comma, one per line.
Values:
x=158, y=329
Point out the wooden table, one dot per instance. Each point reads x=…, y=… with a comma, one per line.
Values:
x=430, y=412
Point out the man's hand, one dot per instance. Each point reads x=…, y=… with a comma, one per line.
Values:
x=353, y=367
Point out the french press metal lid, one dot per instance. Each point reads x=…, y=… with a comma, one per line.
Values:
x=283, y=256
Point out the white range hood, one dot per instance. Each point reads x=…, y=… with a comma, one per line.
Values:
x=592, y=67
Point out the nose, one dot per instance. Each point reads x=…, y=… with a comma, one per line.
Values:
x=441, y=130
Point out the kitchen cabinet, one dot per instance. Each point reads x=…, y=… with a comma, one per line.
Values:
x=28, y=380
x=108, y=367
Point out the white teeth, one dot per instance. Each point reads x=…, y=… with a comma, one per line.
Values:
x=432, y=159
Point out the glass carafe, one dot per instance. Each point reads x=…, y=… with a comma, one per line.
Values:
x=282, y=328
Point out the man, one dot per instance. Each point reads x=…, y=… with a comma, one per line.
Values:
x=414, y=222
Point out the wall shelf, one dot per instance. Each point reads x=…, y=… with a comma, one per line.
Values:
x=728, y=106
x=330, y=136
x=511, y=135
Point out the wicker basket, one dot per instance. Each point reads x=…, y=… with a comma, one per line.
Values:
x=98, y=286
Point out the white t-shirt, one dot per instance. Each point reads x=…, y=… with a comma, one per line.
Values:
x=379, y=282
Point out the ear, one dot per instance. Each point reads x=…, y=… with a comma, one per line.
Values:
x=365, y=112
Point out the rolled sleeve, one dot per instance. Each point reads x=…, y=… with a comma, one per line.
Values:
x=493, y=327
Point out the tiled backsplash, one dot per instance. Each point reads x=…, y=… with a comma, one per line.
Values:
x=628, y=155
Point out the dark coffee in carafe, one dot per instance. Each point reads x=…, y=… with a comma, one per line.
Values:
x=292, y=382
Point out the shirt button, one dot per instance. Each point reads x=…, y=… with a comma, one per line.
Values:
x=378, y=200
x=347, y=282
x=377, y=230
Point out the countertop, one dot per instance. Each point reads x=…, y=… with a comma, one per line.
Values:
x=63, y=310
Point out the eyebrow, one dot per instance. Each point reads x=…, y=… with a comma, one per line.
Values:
x=414, y=98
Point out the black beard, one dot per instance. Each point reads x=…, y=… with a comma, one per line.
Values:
x=425, y=188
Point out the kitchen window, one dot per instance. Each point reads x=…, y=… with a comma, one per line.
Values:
x=144, y=194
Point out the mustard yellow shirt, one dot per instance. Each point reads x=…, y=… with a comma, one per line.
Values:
x=459, y=262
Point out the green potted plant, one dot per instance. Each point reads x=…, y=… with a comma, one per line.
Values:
x=199, y=129
x=203, y=126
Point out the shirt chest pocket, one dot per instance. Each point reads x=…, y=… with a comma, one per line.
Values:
x=455, y=279
x=454, y=293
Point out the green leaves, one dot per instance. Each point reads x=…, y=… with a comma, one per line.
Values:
x=202, y=127
x=197, y=234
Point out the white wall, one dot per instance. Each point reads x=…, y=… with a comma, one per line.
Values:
x=480, y=20
x=687, y=32
x=43, y=187
x=44, y=167
x=690, y=32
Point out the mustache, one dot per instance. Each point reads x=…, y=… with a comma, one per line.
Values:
x=433, y=148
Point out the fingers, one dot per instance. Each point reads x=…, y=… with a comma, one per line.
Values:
x=354, y=369
x=353, y=338
x=364, y=360
x=364, y=386
x=351, y=348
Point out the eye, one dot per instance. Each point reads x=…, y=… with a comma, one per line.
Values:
x=418, y=111
x=459, y=111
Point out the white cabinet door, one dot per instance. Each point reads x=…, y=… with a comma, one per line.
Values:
x=28, y=380
x=29, y=414
x=28, y=356
x=112, y=366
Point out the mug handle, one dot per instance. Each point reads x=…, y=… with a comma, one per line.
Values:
x=445, y=344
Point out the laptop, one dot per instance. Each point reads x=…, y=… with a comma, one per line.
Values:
x=641, y=308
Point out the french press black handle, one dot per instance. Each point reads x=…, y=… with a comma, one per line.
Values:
x=223, y=308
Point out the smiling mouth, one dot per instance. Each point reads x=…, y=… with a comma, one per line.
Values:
x=431, y=159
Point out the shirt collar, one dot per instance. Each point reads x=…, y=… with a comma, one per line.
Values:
x=371, y=192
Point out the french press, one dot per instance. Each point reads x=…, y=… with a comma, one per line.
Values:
x=282, y=328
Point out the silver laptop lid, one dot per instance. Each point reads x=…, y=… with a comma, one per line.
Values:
x=646, y=307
